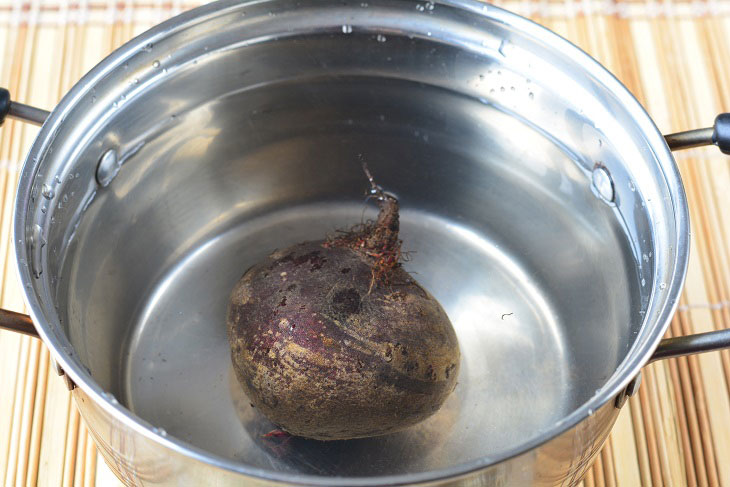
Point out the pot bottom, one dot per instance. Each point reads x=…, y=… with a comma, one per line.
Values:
x=515, y=380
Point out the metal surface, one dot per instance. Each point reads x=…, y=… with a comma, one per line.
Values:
x=27, y=113
x=236, y=128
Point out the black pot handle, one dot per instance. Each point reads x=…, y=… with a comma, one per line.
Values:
x=20, y=111
x=690, y=344
x=718, y=134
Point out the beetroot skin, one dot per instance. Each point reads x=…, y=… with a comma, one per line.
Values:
x=333, y=340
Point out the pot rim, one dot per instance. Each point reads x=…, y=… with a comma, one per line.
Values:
x=63, y=352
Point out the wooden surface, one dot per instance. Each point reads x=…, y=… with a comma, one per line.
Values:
x=672, y=55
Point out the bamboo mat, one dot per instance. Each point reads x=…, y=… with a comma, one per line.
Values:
x=672, y=55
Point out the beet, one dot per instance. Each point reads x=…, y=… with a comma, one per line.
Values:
x=334, y=340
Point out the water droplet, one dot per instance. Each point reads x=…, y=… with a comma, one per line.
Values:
x=164, y=70
x=420, y=7
x=602, y=183
x=147, y=48
x=109, y=397
x=499, y=72
x=155, y=64
x=108, y=168
x=381, y=38
x=115, y=104
x=65, y=198
x=531, y=95
x=37, y=242
x=58, y=179
x=44, y=209
x=632, y=186
x=93, y=99
x=491, y=91
x=662, y=286
x=429, y=6
x=600, y=142
x=643, y=282
x=47, y=192
x=502, y=89
x=428, y=33
x=528, y=81
x=645, y=257
x=590, y=412
x=346, y=29
x=481, y=77
x=125, y=65
x=512, y=88
x=485, y=43
x=123, y=97
x=364, y=5
x=136, y=81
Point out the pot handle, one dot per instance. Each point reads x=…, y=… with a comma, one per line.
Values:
x=10, y=320
x=718, y=134
x=691, y=344
x=20, y=111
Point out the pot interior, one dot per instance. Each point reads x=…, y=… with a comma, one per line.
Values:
x=247, y=137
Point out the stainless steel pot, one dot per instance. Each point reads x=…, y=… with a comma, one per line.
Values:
x=543, y=208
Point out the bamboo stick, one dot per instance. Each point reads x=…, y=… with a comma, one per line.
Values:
x=624, y=449
x=640, y=437
x=12, y=461
x=37, y=427
x=27, y=411
x=682, y=413
x=609, y=471
x=80, y=463
x=597, y=468
x=588, y=479
x=649, y=427
x=72, y=437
